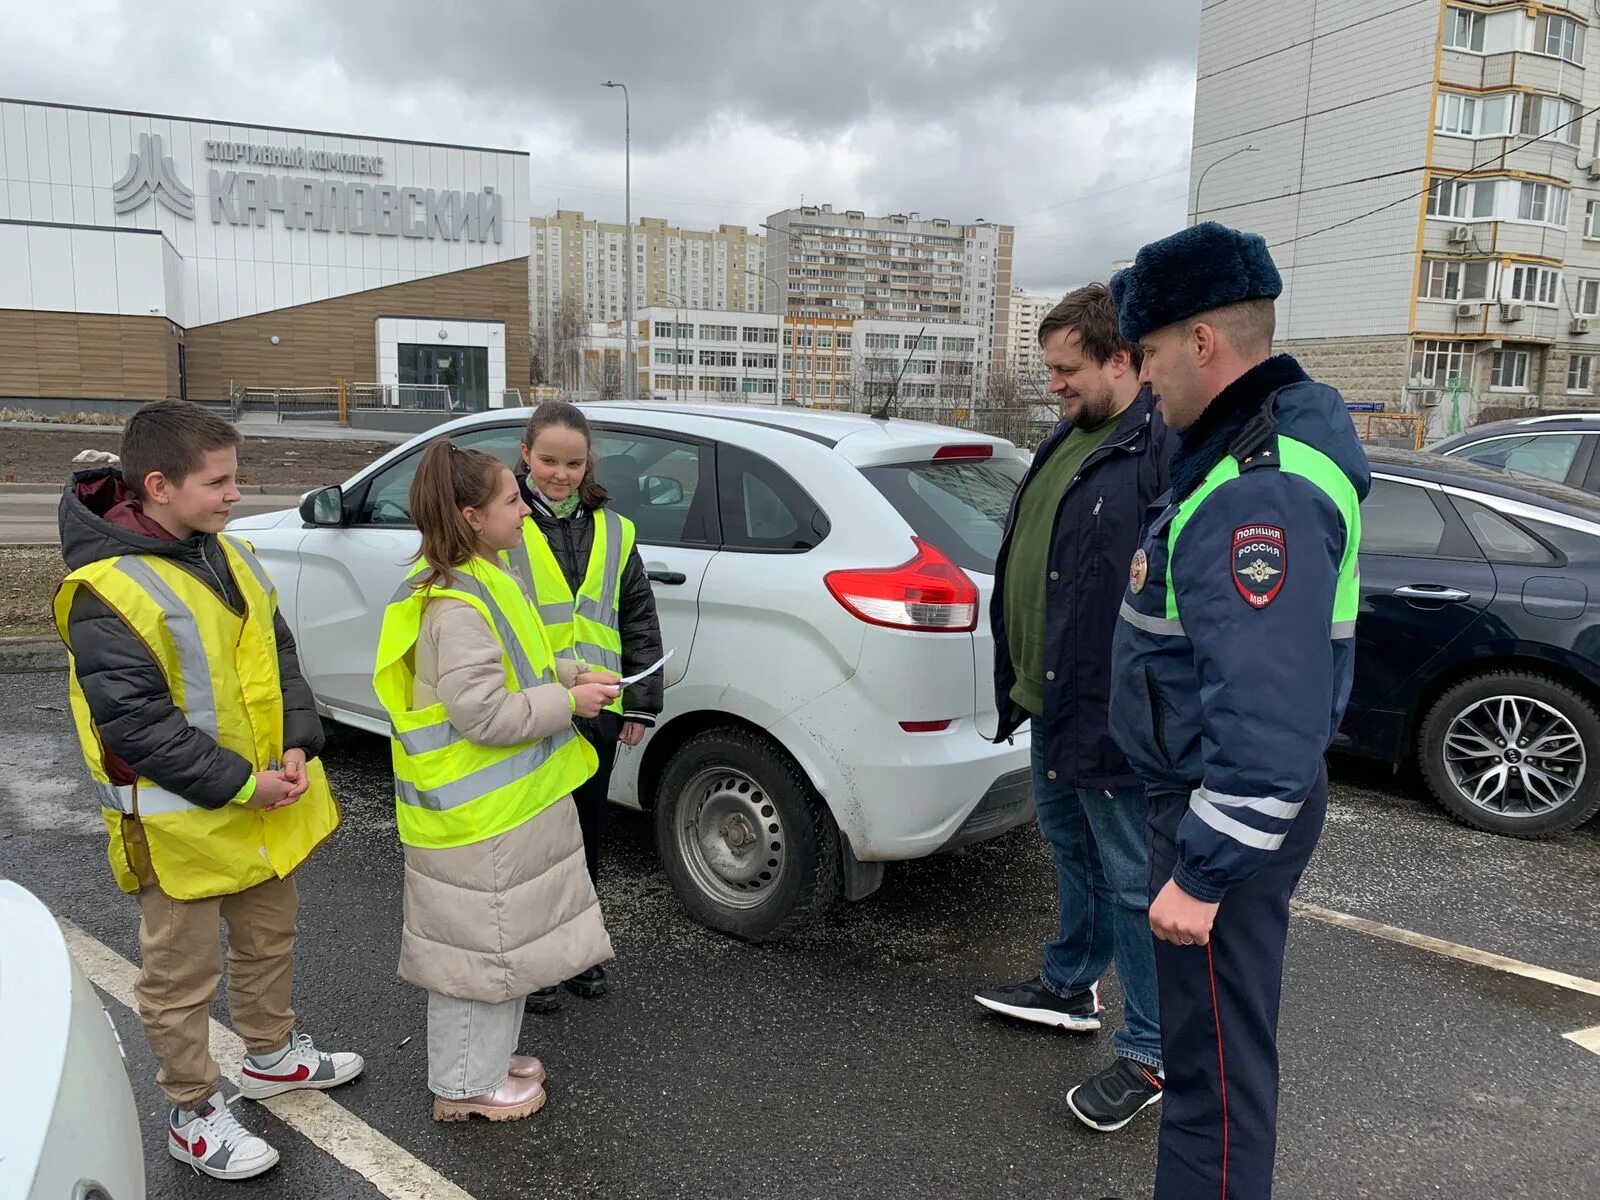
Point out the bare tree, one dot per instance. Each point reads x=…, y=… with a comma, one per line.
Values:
x=558, y=350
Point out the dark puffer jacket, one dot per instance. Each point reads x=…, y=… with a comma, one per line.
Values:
x=144, y=733
x=570, y=540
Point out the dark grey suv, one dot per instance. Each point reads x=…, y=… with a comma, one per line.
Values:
x=1556, y=447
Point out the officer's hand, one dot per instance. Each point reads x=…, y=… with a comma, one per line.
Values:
x=1177, y=917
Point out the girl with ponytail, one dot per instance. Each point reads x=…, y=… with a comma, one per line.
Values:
x=485, y=762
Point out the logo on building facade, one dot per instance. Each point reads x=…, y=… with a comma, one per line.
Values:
x=151, y=176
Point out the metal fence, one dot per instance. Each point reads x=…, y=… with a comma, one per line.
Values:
x=1402, y=431
x=284, y=404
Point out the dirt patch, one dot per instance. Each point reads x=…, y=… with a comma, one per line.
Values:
x=28, y=581
x=45, y=456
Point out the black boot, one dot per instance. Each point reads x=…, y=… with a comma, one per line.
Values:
x=545, y=1000
x=591, y=984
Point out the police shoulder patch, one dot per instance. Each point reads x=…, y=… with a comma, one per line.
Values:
x=1259, y=563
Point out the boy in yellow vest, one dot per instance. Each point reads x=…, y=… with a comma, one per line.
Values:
x=201, y=737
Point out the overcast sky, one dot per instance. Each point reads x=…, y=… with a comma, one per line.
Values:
x=1069, y=119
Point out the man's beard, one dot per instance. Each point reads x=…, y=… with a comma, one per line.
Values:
x=1093, y=411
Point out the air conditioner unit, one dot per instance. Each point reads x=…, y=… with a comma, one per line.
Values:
x=1580, y=324
x=1594, y=169
x=1428, y=398
x=1460, y=234
x=1468, y=310
x=1511, y=312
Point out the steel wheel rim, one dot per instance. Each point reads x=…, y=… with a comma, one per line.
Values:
x=1514, y=756
x=730, y=837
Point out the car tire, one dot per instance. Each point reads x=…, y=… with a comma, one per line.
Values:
x=719, y=788
x=1553, y=714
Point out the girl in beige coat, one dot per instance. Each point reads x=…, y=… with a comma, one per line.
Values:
x=489, y=922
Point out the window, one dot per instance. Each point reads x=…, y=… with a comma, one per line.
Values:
x=1588, y=302
x=663, y=329
x=959, y=506
x=1435, y=364
x=1534, y=285
x=1456, y=279
x=1463, y=30
x=763, y=508
x=655, y=482
x=1542, y=202
x=1543, y=455
x=1580, y=373
x=1510, y=371
x=1456, y=114
x=1398, y=518
x=388, y=497
x=1562, y=37
x=1549, y=115
x=664, y=357
x=1501, y=539
x=1461, y=200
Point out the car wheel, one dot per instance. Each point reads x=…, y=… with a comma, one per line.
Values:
x=1513, y=753
x=747, y=843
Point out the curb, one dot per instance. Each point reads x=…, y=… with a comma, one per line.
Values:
x=247, y=489
x=20, y=654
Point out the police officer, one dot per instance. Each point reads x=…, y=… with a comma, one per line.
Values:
x=1232, y=664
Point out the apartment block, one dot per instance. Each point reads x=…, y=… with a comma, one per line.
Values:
x=574, y=256
x=1427, y=184
x=898, y=268
x=1024, y=357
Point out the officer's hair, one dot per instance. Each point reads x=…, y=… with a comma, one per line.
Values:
x=172, y=437
x=449, y=479
x=1248, y=326
x=1091, y=313
x=560, y=414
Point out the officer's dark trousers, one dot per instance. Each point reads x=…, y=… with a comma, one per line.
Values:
x=1219, y=1019
x=590, y=796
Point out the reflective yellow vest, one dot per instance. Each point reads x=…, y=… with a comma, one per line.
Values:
x=222, y=668
x=450, y=791
x=587, y=626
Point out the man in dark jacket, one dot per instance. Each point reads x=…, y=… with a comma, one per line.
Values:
x=1059, y=578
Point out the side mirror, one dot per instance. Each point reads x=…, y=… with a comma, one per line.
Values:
x=324, y=507
x=660, y=491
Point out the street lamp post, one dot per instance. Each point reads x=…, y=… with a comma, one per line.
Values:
x=630, y=385
x=777, y=369
x=1195, y=215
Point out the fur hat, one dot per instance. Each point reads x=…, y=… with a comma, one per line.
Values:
x=1192, y=271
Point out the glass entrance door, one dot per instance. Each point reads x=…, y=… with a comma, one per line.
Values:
x=458, y=377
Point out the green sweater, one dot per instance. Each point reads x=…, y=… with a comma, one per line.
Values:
x=1029, y=560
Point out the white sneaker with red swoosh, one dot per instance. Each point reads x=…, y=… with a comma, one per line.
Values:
x=210, y=1139
x=302, y=1066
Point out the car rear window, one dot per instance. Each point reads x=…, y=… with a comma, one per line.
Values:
x=960, y=506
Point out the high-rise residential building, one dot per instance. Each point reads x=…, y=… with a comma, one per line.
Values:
x=899, y=267
x=1024, y=357
x=1425, y=177
x=583, y=260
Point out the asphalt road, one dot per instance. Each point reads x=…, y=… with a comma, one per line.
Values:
x=853, y=1062
x=30, y=518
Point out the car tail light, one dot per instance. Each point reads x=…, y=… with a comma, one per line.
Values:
x=955, y=453
x=929, y=594
x=925, y=726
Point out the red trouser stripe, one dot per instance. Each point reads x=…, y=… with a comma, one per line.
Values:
x=1222, y=1073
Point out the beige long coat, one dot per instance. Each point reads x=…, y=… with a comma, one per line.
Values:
x=499, y=918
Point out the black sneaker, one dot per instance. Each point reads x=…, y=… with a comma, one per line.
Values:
x=1111, y=1099
x=591, y=984
x=1032, y=1001
x=545, y=1000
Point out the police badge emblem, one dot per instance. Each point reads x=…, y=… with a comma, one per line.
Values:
x=1138, y=571
x=1260, y=563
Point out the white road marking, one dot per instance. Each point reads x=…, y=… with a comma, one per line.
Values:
x=331, y=1127
x=1589, y=1039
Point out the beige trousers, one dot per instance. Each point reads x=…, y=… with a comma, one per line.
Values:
x=181, y=951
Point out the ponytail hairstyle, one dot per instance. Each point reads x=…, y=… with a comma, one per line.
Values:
x=560, y=414
x=449, y=479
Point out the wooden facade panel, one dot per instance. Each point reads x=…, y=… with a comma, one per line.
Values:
x=319, y=342
x=86, y=356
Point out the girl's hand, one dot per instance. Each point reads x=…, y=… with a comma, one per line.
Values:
x=589, y=698
x=632, y=733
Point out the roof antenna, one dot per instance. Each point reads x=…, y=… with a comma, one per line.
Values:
x=891, y=400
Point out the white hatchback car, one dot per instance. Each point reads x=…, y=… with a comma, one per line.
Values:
x=823, y=580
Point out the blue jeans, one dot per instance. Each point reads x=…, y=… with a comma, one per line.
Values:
x=1100, y=843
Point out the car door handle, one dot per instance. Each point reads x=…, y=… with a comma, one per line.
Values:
x=1434, y=593
x=671, y=577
